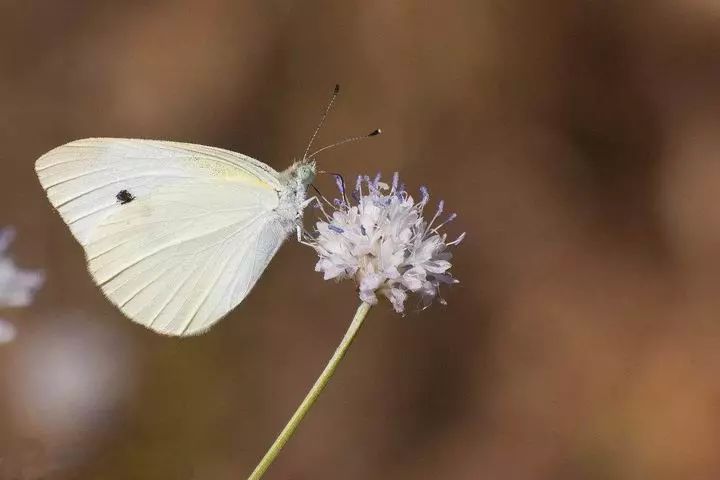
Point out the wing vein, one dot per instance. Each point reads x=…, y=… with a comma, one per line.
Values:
x=70, y=179
x=208, y=291
x=107, y=184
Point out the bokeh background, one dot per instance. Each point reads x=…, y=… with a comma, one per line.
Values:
x=579, y=143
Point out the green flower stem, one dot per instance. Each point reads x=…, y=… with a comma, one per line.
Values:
x=313, y=394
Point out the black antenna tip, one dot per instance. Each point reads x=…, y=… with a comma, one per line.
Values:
x=375, y=132
x=337, y=89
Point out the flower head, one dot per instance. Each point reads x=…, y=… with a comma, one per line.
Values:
x=382, y=241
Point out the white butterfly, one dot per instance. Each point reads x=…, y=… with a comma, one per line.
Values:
x=175, y=234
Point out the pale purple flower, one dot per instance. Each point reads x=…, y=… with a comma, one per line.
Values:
x=380, y=239
x=17, y=286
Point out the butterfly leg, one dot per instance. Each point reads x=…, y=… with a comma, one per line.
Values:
x=308, y=201
x=302, y=234
x=299, y=229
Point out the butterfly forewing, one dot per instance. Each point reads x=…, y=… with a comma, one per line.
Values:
x=175, y=235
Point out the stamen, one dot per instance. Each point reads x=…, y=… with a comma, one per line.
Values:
x=425, y=194
x=448, y=220
x=401, y=193
x=340, y=182
x=439, y=211
x=457, y=240
x=335, y=229
x=376, y=181
x=366, y=179
x=395, y=180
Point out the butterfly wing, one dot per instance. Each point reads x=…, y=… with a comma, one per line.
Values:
x=175, y=234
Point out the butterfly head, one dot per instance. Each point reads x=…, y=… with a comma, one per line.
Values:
x=303, y=172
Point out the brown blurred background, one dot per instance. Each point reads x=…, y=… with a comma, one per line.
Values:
x=578, y=142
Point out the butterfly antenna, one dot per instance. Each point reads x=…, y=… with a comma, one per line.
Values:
x=343, y=142
x=322, y=119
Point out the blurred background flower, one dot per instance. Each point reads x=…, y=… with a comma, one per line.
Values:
x=69, y=373
x=7, y=331
x=17, y=286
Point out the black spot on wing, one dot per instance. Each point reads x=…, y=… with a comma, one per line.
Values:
x=124, y=197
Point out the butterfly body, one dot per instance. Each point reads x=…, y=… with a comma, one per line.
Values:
x=175, y=234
